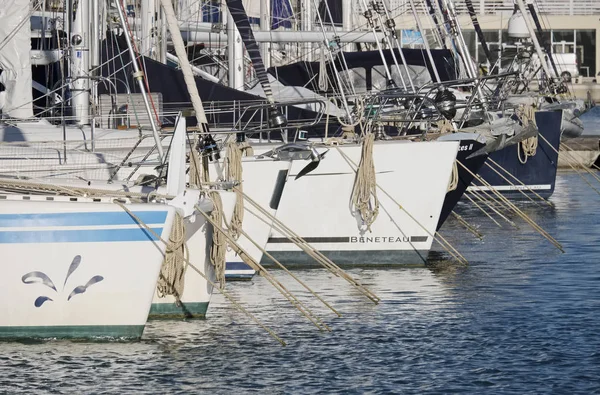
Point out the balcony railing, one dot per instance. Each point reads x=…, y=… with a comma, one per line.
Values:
x=547, y=7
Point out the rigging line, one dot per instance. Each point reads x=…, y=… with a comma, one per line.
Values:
x=391, y=25
x=129, y=31
x=340, y=54
x=331, y=58
x=369, y=17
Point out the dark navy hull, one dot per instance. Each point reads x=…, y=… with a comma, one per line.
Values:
x=467, y=147
x=538, y=173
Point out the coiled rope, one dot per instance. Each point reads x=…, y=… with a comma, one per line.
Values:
x=359, y=108
x=364, y=191
x=529, y=145
x=234, y=173
x=445, y=126
x=218, y=248
x=195, y=176
x=171, y=280
x=453, y=178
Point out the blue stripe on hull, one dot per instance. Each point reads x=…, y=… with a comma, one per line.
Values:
x=81, y=219
x=78, y=236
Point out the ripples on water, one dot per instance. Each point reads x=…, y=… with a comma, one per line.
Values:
x=522, y=318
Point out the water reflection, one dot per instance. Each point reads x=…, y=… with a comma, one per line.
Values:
x=522, y=317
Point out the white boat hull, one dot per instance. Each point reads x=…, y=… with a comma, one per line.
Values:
x=197, y=289
x=259, y=181
x=74, y=268
x=317, y=206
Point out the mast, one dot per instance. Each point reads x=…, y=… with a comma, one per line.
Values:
x=478, y=30
x=235, y=55
x=148, y=33
x=388, y=26
x=265, y=25
x=546, y=45
x=79, y=62
x=456, y=31
x=534, y=39
x=184, y=63
x=306, y=9
x=138, y=75
x=368, y=14
x=347, y=24
x=436, y=23
x=425, y=42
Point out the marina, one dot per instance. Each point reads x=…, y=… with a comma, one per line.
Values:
x=299, y=196
x=521, y=318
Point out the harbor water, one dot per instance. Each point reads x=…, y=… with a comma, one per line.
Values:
x=521, y=318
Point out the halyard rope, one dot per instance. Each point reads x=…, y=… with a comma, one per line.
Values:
x=364, y=192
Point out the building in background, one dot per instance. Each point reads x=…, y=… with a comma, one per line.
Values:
x=571, y=26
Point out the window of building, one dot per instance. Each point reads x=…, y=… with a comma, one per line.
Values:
x=585, y=43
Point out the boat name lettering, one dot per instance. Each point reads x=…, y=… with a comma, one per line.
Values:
x=466, y=147
x=379, y=239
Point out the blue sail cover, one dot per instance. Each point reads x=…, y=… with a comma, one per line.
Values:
x=282, y=15
x=307, y=73
x=330, y=11
x=211, y=11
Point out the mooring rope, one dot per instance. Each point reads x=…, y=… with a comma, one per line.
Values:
x=364, y=191
x=222, y=291
x=440, y=239
x=172, y=272
x=195, y=166
x=529, y=148
x=529, y=145
x=445, y=126
x=218, y=249
x=234, y=173
x=453, y=184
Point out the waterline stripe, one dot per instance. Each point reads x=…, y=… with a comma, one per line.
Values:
x=173, y=311
x=81, y=219
x=106, y=332
x=510, y=187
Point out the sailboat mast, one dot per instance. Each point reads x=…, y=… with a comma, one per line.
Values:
x=306, y=9
x=478, y=30
x=235, y=55
x=79, y=62
x=546, y=45
x=425, y=42
x=139, y=77
x=184, y=63
x=148, y=22
x=534, y=39
x=368, y=14
x=390, y=24
x=265, y=26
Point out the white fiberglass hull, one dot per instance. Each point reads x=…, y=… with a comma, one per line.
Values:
x=197, y=279
x=317, y=206
x=259, y=181
x=77, y=267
